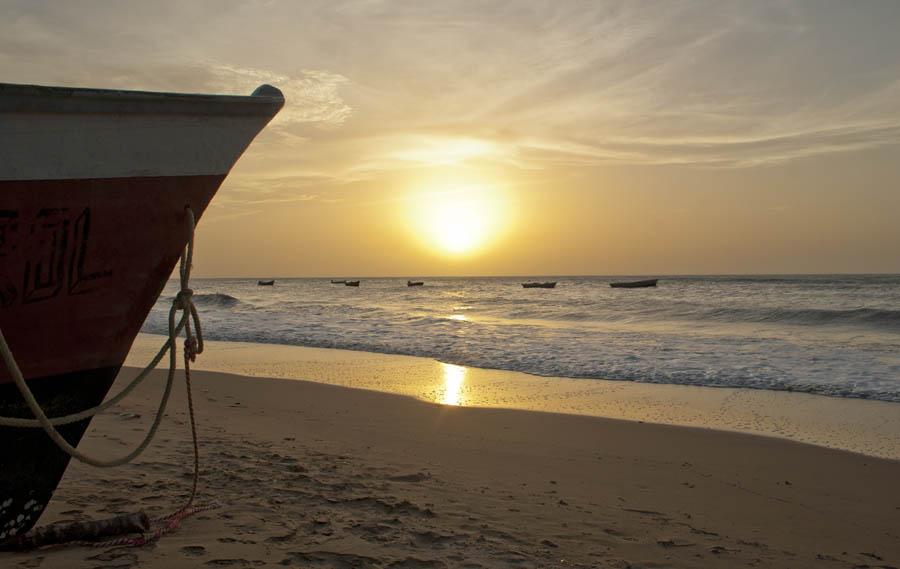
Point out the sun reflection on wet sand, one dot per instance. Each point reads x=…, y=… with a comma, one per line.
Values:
x=454, y=378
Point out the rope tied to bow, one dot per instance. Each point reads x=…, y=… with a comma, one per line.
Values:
x=193, y=346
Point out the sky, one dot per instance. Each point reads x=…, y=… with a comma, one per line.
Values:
x=520, y=138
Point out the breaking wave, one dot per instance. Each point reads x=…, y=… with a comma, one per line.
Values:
x=809, y=316
x=216, y=299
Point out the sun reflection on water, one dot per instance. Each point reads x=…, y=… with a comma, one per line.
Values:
x=454, y=378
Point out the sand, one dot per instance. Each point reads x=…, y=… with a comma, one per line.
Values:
x=867, y=427
x=315, y=475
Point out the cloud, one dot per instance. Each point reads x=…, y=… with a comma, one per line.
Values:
x=312, y=96
x=378, y=86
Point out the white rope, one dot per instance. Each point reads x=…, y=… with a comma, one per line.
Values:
x=111, y=402
x=183, y=301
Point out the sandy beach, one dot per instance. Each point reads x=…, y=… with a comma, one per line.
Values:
x=864, y=426
x=307, y=474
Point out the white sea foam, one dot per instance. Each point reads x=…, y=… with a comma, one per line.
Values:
x=833, y=335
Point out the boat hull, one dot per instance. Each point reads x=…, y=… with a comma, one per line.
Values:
x=94, y=187
x=32, y=465
x=635, y=284
x=83, y=262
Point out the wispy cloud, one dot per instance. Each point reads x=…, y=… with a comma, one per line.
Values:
x=312, y=96
x=379, y=86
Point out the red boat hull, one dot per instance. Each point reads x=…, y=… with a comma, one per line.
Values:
x=83, y=261
x=81, y=264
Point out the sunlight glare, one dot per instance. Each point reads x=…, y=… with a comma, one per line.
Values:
x=458, y=227
x=454, y=378
x=460, y=220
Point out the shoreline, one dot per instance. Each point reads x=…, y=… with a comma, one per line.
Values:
x=255, y=276
x=867, y=427
x=308, y=474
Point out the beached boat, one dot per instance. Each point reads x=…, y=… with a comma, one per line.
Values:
x=539, y=285
x=338, y=282
x=94, y=186
x=265, y=283
x=415, y=283
x=351, y=283
x=635, y=284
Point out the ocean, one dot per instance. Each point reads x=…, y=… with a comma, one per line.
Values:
x=833, y=335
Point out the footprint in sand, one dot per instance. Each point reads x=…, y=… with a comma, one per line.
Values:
x=36, y=562
x=416, y=563
x=331, y=560
x=413, y=477
x=193, y=550
x=122, y=559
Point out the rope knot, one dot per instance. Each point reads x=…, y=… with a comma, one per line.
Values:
x=183, y=299
x=191, y=348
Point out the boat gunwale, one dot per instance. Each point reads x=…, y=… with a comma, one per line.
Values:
x=21, y=98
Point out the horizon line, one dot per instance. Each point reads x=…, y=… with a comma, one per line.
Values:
x=567, y=276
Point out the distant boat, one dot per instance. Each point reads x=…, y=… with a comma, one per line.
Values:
x=338, y=282
x=635, y=284
x=265, y=283
x=414, y=283
x=351, y=283
x=539, y=285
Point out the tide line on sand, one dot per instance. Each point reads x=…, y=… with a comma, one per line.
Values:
x=863, y=426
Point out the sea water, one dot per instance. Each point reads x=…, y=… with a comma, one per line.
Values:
x=831, y=335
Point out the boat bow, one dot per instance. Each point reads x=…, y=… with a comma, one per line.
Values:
x=93, y=189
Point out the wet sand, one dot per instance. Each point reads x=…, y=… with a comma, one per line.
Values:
x=315, y=475
x=868, y=427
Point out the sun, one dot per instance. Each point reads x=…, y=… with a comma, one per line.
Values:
x=458, y=221
x=457, y=227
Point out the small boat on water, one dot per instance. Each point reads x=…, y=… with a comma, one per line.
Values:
x=414, y=283
x=539, y=285
x=265, y=283
x=342, y=281
x=94, y=186
x=635, y=284
x=351, y=283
